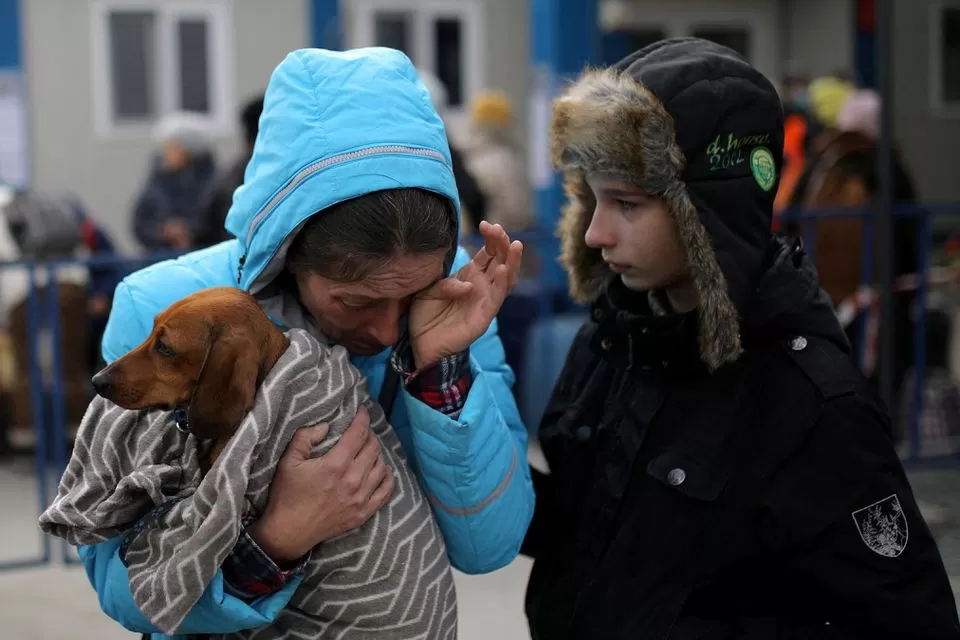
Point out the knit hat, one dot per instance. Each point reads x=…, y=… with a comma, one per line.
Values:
x=188, y=129
x=491, y=109
x=827, y=97
x=861, y=113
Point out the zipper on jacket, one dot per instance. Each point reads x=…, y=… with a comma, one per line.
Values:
x=318, y=166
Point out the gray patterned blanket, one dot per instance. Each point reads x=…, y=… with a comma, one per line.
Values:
x=388, y=579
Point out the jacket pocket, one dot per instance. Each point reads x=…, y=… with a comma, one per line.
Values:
x=692, y=475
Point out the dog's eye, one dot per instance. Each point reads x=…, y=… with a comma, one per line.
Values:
x=164, y=350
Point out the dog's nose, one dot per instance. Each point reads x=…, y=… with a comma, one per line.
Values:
x=102, y=383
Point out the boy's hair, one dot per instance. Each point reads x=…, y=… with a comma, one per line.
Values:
x=349, y=240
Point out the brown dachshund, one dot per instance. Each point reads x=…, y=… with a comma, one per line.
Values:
x=204, y=359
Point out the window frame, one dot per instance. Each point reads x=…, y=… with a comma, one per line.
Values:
x=423, y=37
x=215, y=13
x=763, y=34
x=939, y=106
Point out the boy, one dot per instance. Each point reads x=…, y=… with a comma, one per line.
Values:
x=718, y=466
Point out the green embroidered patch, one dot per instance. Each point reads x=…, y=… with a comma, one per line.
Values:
x=763, y=167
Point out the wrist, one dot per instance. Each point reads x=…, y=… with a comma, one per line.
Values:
x=422, y=361
x=280, y=550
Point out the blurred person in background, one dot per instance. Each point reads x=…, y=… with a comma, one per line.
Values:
x=718, y=467
x=795, y=86
x=827, y=96
x=800, y=127
x=859, y=119
x=473, y=202
x=169, y=212
x=104, y=278
x=496, y=161
x=220, y=196
x=841, y=171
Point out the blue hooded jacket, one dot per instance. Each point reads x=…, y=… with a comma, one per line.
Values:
x=337, y=125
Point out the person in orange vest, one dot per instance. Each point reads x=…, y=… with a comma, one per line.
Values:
x=799, y=128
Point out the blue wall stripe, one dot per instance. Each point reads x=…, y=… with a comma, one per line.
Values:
x=326, y=30
x=9, y=34
x=564, y=38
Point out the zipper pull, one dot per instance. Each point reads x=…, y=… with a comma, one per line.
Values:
x=243, y=259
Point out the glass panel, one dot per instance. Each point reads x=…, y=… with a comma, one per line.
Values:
x=950, y=54
x=643, y=36
x=393, y=29
x=194, y=65
x=737, y=38
x=133, y=64
x=449, y=58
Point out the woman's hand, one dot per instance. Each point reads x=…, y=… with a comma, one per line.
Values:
x=316, y=499
x=449, y=316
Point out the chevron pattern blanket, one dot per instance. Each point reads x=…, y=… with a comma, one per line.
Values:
x=388, y=579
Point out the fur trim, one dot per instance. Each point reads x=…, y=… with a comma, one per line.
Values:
x=588, y=275
x=609, y=123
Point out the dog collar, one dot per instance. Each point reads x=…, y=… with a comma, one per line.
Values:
x=182, y=419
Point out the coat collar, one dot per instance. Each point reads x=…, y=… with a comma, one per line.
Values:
x=632, y=336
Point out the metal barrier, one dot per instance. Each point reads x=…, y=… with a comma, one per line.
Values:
x=924, y=213
x=51, y=434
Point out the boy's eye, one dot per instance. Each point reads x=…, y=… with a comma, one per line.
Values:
x=625, y=206
x=164, y=350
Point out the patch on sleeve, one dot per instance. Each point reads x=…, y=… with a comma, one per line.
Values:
x=883, y=527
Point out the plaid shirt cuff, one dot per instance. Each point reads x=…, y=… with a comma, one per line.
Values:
x=248, y=572
x=442, y=386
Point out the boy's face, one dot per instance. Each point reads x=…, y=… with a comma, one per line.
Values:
x=637, y=235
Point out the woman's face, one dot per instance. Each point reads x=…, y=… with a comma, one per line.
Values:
x=365, y=316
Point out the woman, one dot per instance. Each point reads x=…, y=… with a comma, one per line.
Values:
x=718, y=466
x=347, y=227
x=169, y=213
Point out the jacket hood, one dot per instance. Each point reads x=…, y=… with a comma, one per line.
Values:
x=335, y=125
x=693, y=123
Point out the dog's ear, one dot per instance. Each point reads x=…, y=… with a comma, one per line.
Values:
x=226, y=385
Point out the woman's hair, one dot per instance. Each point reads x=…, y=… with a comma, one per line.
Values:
x=350, y=239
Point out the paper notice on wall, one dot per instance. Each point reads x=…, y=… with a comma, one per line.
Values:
x=14, y=148
x=541, y=173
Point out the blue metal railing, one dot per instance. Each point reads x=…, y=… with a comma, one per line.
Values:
x=925, y=214
x=51, y=434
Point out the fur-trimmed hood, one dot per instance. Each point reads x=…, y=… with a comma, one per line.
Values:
x=694, y=124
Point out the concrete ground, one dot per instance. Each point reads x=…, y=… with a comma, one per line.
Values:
x=56, y=602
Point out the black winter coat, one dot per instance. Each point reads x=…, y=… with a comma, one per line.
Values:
x=763, y=501
x=726, y=473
